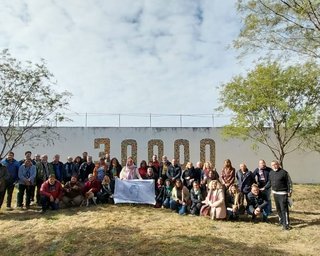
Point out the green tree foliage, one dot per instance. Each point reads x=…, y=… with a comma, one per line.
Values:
x=27, y=100
x=291, y=26
x=277, y=107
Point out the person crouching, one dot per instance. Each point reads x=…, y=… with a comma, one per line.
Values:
x=90, y=190
x=51, y=193
x=72, y=192
x=257, y=204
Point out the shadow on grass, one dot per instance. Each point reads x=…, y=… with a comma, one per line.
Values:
x=34, y=212
x=124, y=240
x=305, y=212
x=298, y=223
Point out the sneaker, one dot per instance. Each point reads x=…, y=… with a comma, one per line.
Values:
x=9, y=208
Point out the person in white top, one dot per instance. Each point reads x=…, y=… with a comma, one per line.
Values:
x=130, y=171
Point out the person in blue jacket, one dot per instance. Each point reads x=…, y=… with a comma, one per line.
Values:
x=12, y=177
x=27, y=174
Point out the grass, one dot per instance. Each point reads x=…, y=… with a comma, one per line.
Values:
x=144, y=230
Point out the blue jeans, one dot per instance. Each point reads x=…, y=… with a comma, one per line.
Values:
x=267, y=192
x=265, y=212
x=179, y=208
x=166, y=203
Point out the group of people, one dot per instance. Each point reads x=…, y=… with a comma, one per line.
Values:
x=198, y=190
x=202, y=191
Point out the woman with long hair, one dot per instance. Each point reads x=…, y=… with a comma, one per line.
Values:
x=214, y=204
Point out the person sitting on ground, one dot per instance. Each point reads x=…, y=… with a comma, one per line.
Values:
x=164, y=195
x=90, y=190
x=105, y=194
x=51, y=193
x=233, y=202
x=72, y=192
x=196, y=198
x=257, y=204
x=214, y=204
x=159, y=187
x=179, y=198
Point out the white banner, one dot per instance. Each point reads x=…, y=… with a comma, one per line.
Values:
x=134, y=191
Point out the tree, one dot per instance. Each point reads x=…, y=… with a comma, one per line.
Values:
x=290, y=26
x=274, y=106
x=27, y=101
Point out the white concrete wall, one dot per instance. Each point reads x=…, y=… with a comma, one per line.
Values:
x=303, y=167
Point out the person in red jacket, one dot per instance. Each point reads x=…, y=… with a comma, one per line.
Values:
x=51, y=193
x=91, y=188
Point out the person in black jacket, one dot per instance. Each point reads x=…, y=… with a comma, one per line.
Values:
x=261, y=175
x=86, y=168
x=174, y=171
x=165, y=194
x=245, y=179
x=257, y=204
x=196, y=198
x=281, y=185
x=3, y=177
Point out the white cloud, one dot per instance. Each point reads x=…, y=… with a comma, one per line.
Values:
x=152, y=56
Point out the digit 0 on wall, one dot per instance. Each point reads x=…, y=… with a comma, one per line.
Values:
x=151, y=144
x=124, y=151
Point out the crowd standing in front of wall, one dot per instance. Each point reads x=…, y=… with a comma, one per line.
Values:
x=198, y=190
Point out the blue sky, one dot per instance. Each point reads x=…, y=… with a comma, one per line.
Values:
x=125, y=56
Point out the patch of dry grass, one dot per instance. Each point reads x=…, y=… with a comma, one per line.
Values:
x=144, y=230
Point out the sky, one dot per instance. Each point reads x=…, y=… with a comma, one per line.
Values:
x=129, y=56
